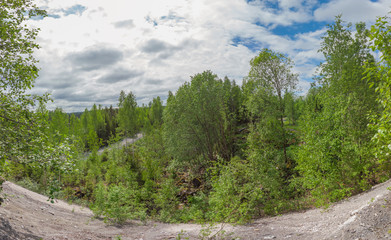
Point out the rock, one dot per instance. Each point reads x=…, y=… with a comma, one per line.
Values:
x=269, y=237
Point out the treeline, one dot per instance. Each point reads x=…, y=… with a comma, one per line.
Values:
x=222, y=152
x=65, y=139
x=98, y=127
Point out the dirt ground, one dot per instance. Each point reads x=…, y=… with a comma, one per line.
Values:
x=124, y=142
x=28, y=215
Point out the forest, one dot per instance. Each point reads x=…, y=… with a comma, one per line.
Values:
x=215, y=151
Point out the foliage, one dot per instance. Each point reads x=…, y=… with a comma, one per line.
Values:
x=336, y=157
x=156, y=112
x=127, y=117
x=235, y=195
x=21, y=136
x=270, y=77
x=117, y=203
x=380, y=80
x=216, y=151
x=24, y=133
x=200, y=120
x=167, y=201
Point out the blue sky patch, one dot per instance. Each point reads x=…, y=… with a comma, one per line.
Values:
x=54, y=15
x=171, y=17
x=249, y=43
x=37, y=18
x=272, y=4
x=297, y=28
x=320, y=2
x=152, y=21
x=76, y=9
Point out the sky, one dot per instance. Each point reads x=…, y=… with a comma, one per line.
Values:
x=90, y=50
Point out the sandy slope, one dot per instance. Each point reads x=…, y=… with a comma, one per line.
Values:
x=27, y=215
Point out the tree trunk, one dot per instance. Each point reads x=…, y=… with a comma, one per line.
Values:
x=287, y=162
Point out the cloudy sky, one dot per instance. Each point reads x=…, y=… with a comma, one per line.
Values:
x=93, y=49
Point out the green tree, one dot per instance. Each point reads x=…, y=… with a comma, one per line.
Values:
x=98, y=120
x=127, y=114
x=269, y=78
x=380, y=80
x=336, y=155
x=291, y=108
x=156, y=112
x=59, y=125
x=111, y=123
x=21, y=135
x=75, y=127
x=197, y=125
x=76, y=132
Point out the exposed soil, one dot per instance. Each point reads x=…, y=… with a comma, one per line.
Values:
x=124, y=142
x=28, y=215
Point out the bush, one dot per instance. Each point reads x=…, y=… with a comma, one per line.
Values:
x=235, y=194
x=197, y=209
x=168, y=202
x=117, y=203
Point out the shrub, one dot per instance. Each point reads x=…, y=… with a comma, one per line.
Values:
x=167, y=201
x=235, y=195
x=117, y=203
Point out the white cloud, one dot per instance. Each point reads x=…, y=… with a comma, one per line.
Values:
x=152, y=46
x=353, y=10
x=303, y=87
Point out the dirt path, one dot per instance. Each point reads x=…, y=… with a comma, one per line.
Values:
x=28, y=215
x=122, y=143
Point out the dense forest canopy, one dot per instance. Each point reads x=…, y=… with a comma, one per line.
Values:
x=217, y=151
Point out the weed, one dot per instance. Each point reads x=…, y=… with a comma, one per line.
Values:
x=181, y=234
x=211, y=231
